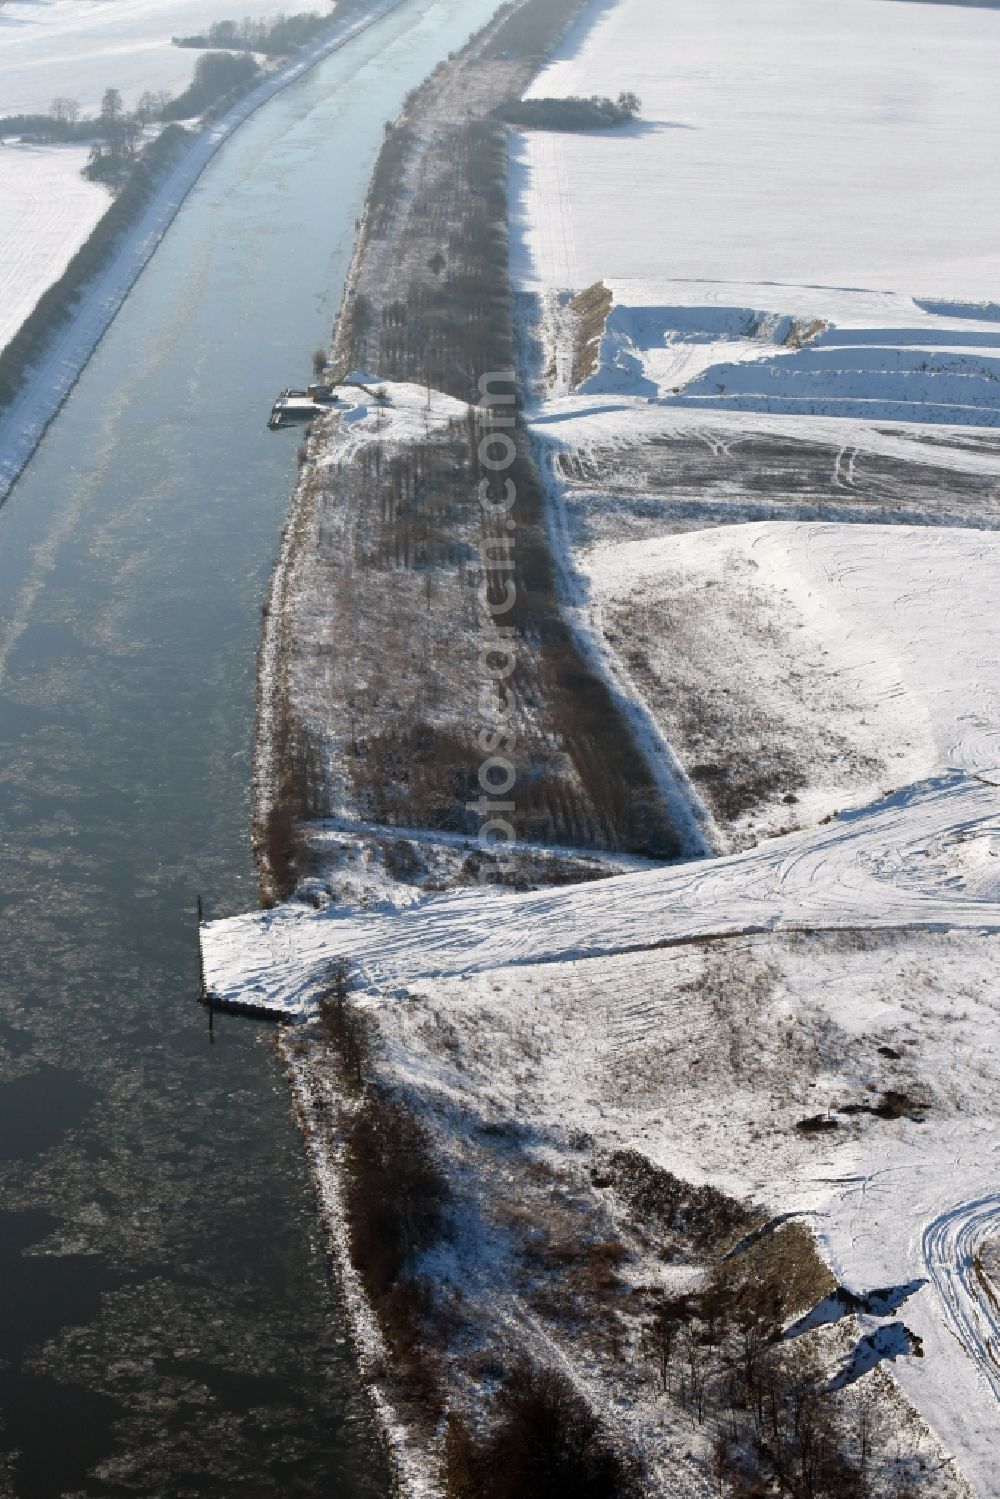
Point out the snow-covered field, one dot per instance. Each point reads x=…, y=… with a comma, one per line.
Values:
x=786, y=143
x=796, y=165
x=802, y=253
x=577, y=421
x=79, y=48
x=48, y=210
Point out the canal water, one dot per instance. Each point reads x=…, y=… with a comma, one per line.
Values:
x=167, y=1322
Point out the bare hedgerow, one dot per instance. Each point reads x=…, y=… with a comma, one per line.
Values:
x=298, y=795
x=775, y=1423
x=403, y=861
x=397, y=1197
x=531, y=31
x=777, y=1277
x=661, y=1335
x=343, y=1026
x=699, y=1218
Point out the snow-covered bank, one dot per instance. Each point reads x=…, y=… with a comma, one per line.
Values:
x=48, y=211
x=316, y=1099
x=762, y=357
x=24, y=421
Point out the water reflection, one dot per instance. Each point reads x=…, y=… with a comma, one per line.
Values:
x=166, y=1322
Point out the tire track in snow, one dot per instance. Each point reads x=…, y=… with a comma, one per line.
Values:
x=950, y=1245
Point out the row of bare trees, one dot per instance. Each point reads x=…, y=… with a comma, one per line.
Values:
x=776, y=1424
x=149, y=107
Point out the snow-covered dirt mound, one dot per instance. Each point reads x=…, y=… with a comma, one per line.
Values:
x=830, y=660
x=932, y=369
x=653, y=350
x=844, y=374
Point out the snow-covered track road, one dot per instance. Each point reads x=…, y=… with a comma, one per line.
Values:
x=863, y=869
x=951, y=1245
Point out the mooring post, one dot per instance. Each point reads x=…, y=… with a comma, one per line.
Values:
x=201, y=955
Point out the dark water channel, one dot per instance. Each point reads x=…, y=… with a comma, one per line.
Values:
x=167, y=1323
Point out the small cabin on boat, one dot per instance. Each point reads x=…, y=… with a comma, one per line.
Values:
x=294, y=406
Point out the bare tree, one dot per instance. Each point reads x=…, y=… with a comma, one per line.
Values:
x=112, y=107
x=119, y=133
x=66, y=111
x=148, y=108
x=659, y=1338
